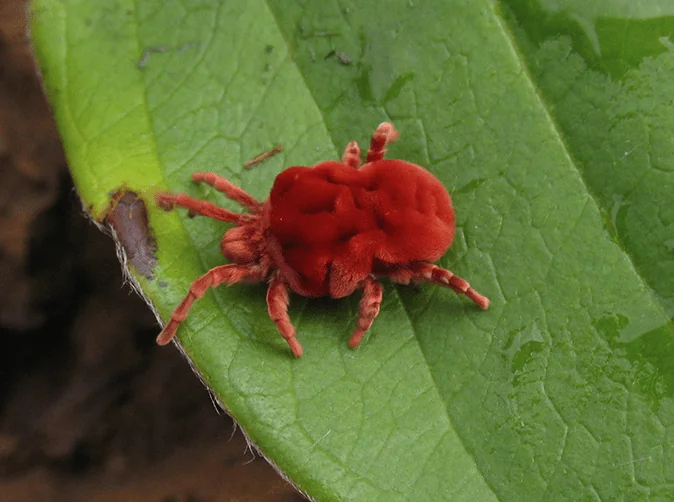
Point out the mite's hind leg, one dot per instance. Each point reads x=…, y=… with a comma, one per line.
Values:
x=224, y=274
x=427, y=272
x=382, y=136
x=277, y=305
x=370, y=302
x=228, y=188
x=351, y=155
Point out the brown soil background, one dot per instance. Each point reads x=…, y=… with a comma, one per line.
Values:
x=90, y=408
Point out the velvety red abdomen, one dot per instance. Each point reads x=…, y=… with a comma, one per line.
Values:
x=332, y=221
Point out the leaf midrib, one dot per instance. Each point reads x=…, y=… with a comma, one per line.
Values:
x=412, y=326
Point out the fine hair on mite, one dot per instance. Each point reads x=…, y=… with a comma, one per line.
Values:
x=329, y=230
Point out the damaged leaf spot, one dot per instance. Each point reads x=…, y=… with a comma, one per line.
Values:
x=128, y=219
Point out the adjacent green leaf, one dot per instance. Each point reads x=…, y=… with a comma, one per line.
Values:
x=550, y=122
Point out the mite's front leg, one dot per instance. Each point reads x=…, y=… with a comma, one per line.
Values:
x=351, y=155
x=382, y=136
x=228, y=188
x=168, y=201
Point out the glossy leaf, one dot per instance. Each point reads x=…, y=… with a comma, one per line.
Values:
x=550, y=122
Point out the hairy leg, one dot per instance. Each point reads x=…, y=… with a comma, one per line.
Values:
x=382, y=136
x=370, y=303
x=224, y=274
x=228, y=188
x=168, y=201
x=351, y=155
x=428, y=272
x=277, y=305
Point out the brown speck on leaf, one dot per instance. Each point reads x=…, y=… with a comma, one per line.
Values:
x=320, y=34
x=342, y=57
x=158, y=49
x=128, y=218
x=142, y=62
x=263, y=156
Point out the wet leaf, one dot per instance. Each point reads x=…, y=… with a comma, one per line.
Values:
x=551, y=123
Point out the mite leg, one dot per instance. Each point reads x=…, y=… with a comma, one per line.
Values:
x=370, y=303
x=224, y=274
x=428, y=272
x=168, y=201
x=277, y=305
x=351, y=155
x=382, y=136
x=228, y=188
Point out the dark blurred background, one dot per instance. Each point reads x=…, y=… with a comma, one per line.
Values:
x=90, y=408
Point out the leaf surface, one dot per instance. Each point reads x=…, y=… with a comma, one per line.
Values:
x=551, y=124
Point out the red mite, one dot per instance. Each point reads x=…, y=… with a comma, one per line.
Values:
x=328, y=230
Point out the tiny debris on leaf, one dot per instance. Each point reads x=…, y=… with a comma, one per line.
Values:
x=318, y=33
x=158, y=49
x=142, y=62
x=342, y=57
x=263, y=156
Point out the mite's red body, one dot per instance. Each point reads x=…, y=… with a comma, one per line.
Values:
x=336, y=225
x=330, y=229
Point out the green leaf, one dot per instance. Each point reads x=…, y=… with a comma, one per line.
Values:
x=550, y=122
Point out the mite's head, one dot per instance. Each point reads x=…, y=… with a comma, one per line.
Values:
x=241, y=245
